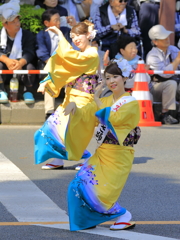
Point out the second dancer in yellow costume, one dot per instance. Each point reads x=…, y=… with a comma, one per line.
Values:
x=93, y=193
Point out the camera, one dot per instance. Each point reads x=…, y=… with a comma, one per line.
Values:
x=3, y=49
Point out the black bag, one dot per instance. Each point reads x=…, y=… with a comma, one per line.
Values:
x=157, y=78
x=109, y=42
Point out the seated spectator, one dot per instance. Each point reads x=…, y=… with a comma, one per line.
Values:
x=49, y=4
x=17, y=52
x=66, y=21
x=148, y=17
x=113, y=19
x=46, y=44
x=127, y=46
x=166, y=57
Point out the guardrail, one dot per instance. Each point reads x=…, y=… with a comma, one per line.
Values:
x=23, y=72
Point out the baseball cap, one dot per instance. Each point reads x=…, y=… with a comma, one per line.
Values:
x=9, y=11
x=158, y=32
x=10, y=18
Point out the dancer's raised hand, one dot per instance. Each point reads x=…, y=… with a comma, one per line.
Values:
x=106, y=58
x=56, y=31
x=97, y=93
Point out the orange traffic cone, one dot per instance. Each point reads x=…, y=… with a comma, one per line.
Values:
x=142, y=94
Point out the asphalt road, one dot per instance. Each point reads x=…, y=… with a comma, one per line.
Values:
x=152, y=192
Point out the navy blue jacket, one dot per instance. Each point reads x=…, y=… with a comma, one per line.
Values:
x=43, y=43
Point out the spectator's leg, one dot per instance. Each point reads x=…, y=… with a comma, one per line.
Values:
x=28, y=82
x=165, y=92
x=28, y=79
x=3, y=79
x=169, y=95
x=49, y=102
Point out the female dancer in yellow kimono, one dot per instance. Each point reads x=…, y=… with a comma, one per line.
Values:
x=93, y=194
x=76, y=70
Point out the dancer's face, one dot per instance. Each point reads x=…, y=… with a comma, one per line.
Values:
x=115, y=82
x=81, y=40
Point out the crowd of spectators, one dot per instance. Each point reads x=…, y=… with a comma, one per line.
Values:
x=124, y=28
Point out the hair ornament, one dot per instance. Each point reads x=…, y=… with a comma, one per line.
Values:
x=70, y=34
x=92, y=32
x=124, y=65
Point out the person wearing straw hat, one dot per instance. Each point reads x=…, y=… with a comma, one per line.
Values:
x=164, y=57
x=17, y=51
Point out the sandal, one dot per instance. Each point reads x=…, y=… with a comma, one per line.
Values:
x=128, y=225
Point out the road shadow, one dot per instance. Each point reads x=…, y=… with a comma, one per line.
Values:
x=141, y=160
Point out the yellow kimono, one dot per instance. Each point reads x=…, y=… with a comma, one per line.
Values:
x=93, y=194
x=76, y=70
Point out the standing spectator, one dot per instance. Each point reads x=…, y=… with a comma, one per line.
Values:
x=46, y=44
x=163, y=56
x=70, y=5
x=136, y=5
x=168, y=8
x=148, y=17
x=17, y=51
x=112, y=19
x=94, y=8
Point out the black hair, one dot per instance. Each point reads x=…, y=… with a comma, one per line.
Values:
x=46, y=16
x=113, y=68
x=123, y=41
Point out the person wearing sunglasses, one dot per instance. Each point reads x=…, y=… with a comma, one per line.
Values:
x=113, y=19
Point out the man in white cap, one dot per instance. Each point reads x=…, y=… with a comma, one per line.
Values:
x=165, y=57
x=17, y=51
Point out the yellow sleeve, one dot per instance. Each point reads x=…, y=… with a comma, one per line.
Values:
x=80, y=131
x=74, y=58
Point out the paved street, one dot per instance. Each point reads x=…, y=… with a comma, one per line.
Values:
x=33, y=201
